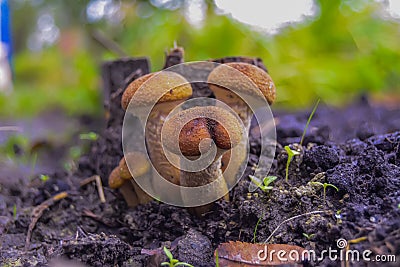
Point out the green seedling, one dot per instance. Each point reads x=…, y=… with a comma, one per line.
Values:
x=44, y=178
x=325, y=185
x=308, y=121
x=173, y=262
x=308, y=236
x=15, y=211
x=264, y=185
x=291, y=153
x=216, y=258
x=75, y=152
x=91, y=136
x=255, y=228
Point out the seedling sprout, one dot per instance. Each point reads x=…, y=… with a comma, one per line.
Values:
x=308, y=236
x=255, y=228
x=173, y=262
x=264, y=185
x=325, y=185
x=308, y=122
x=291, y=153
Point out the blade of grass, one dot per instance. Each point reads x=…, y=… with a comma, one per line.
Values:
x=308, y=121
x=255, y=228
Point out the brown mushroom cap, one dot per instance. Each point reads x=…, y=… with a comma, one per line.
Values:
x=204, y=125
x=192, y=134
x=172, y=86
x=223, y=77
x=138, y=163
x=114, y=179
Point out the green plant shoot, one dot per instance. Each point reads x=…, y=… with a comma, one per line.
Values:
x=325, y=185
x=255, y=228
x=216, y=258
x=264, y=185
x=44, y=178
x=308, y=236
x=92, y=136
x=291, y=153
x=308, y=122
x=173, y=262
x=15, y=211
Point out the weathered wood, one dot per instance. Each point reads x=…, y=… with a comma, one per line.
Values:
x=107, y=150
x=174, y=57
x=116, y=75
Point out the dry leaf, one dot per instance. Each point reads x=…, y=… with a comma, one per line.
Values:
x=242, y=254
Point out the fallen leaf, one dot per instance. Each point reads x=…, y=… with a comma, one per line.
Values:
x=243, y=254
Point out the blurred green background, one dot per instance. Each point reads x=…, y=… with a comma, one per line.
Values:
x=344, y=48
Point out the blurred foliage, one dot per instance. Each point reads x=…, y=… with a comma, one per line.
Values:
x=349, y=47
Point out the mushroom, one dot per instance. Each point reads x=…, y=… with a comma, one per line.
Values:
x=122, y=178
x=173, y=90
x=198, y=127
x=227, y=79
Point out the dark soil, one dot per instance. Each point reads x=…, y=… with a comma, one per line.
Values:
x=356, y=149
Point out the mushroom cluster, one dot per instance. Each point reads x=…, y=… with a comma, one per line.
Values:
x=197, y=129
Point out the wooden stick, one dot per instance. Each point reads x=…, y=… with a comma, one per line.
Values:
x=99, y=185
x=37, y=212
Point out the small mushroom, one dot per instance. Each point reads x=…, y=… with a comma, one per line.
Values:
x=125, y=187
x=123, y=179
x=197, y=127
x=174, y=89
x=224, y=81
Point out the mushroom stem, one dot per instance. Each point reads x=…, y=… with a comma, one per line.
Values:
x=116, y=181
x=129, y=194
x=238, y=154
x=153, y=140
x=142, y=196
x=210, y=174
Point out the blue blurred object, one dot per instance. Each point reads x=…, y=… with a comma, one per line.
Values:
x=5, y=48
x=5, y=28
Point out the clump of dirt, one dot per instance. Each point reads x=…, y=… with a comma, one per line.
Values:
x=363, y=162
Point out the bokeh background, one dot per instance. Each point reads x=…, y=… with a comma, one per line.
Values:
x=333, y=50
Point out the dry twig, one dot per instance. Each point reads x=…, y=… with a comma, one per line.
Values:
x=37, y=213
